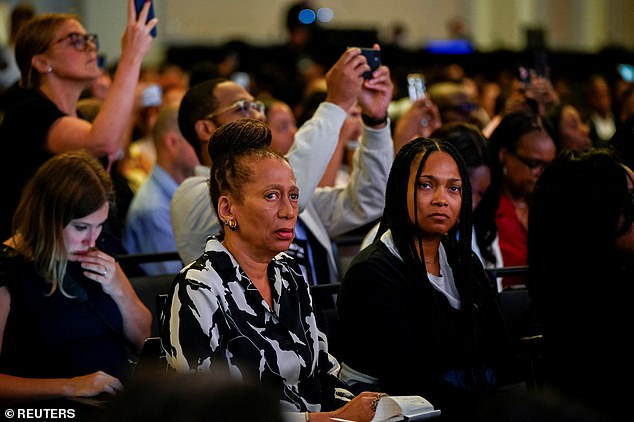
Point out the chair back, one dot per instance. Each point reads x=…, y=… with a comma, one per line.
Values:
x=148, y=288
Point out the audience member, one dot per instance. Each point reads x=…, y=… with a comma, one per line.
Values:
x=489, y=92
x=529, y=93
x=599, y=115
x=325, y=212
x=282, y=123
x=244, y=305
x=140, y=153
x=172, y=76
x=88, y=109
x=57, y=61
x=520, y=149
x=474, y=149
x=420, y=283
x=173, y=95
x=456, y=104
x=568, y=130
x=340, y=165
x=148, y=226
x=420, y=119
x=580, y=257
x=314, y=94
x=9, y=71
x=69, y=316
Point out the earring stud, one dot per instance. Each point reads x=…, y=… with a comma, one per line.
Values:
x=232, y=224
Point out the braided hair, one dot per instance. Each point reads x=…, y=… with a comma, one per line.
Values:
x=229, y=148
x=396, y=216
x=457, y=242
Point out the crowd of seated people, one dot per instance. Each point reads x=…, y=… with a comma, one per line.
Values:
x=326, y=212
x=340, y=151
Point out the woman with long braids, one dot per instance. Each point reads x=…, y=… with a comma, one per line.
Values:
x=419, y=283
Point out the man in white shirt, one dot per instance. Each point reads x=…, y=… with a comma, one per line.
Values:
x=325, y=212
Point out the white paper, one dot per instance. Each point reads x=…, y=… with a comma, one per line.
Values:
x=399, y=408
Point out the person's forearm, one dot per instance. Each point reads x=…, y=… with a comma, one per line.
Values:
x=334, y=165
x=362, y=199
x=137, y=319
x=18, y=389
x=314, y=145
x=111, y=126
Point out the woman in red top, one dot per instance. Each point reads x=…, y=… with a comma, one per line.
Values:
x=521, y=148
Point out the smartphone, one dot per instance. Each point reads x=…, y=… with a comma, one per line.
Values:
x=416, y=86
x=626, y=71
x=374, y=60
x=101, y=61
x=150, y=15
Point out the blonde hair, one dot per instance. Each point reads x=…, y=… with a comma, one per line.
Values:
x=68, y=186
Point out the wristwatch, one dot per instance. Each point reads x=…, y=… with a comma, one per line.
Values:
x=371, y=121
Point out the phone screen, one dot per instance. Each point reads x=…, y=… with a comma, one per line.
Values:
x=415, y=86
x=374, y=60
x=627, y=72
x=150, y=15
x=101, y=61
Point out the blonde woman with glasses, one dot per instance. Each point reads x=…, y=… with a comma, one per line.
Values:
x=57, y=58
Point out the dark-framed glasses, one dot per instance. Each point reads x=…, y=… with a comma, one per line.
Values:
x=532, y=163
x=241, y=106
x=80, y=41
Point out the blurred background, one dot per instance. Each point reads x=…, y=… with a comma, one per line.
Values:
x=265, y=45
x=584, y=26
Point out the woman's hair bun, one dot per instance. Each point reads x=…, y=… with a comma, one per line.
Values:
x=238, y=137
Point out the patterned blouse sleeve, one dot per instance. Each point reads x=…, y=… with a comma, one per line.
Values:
x=194, y=324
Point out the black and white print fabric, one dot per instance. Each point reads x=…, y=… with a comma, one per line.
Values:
x=216, y=318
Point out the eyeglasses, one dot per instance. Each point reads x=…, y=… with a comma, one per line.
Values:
x=80, y=41
x=240, y=106
x=532, y=164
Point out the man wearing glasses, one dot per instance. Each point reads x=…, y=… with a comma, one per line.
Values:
x=325, y=212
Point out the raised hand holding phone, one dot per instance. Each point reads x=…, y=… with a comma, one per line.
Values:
x=373, y=58
x=377, y=90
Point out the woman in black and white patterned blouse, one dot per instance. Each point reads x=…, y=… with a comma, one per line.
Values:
x=244, y=305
